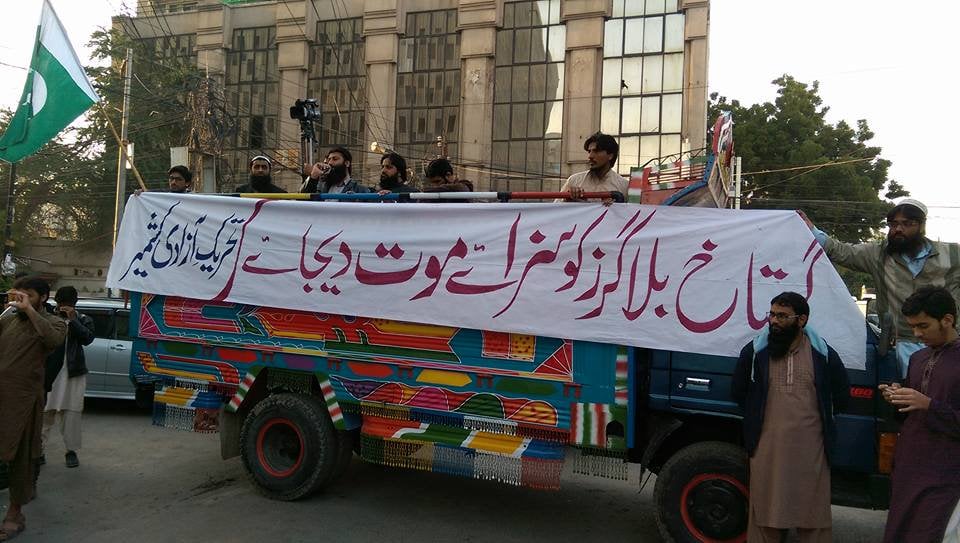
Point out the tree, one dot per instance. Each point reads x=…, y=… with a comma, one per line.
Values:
x=794, y=159
x=162, y=83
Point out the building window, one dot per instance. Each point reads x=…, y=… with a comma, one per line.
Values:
x=338, y=82
x=251, y=93
x=528, y=96
x=428, y=85
x=179, y=46
x=643, y=80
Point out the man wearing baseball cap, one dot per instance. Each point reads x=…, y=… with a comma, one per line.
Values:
x=899, y=265
x=260, y=179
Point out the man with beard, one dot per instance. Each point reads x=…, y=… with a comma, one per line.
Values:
x=790, y=383
x=903, y=262
x=602, y=152
x=26, y=338
x=393, y=175
x=332, y=176
x=260, y=179
x=926, y=463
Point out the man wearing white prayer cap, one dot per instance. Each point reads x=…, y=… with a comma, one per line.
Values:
x=900, y=264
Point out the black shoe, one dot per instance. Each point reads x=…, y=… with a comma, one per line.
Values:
x=42, y=460
x=72, y=460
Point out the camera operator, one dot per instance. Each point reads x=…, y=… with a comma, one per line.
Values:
x=66, y=377
x=332, y=176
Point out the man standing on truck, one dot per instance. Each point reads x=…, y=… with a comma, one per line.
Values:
x=26, y=338
x=789, y=383
x=900, y=264
x=602, y=153
x=260, y=179
x=393, y=175
x=926, y=463
x=333, y=175
x=66, y=376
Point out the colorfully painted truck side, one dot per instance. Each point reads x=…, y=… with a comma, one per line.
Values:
x=295, y=393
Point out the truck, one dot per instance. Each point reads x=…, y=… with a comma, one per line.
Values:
x=297, y=392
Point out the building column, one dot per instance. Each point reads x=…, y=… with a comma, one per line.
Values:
x=296, y=30
x=695, y=60
x=583, y=77
x=214, y=33
x=383, y=22
x=477, y=22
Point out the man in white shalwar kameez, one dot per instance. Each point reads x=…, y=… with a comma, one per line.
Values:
x=67, y=376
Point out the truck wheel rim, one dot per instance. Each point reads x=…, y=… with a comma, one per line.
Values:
x=280, y=447
x=714, y=508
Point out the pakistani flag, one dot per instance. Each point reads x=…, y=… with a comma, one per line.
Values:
x=56, y=93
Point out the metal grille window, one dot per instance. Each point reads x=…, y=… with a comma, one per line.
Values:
x=528, y=96
x=251, y=95
x=428, y=84
x=338, y=82
x=642, y=100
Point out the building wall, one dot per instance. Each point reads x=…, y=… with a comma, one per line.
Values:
x=478, y=143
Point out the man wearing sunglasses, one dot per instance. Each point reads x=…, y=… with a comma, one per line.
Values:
x=790, y=383
x=900, y=264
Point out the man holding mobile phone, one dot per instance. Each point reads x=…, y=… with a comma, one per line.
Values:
x=66, y=376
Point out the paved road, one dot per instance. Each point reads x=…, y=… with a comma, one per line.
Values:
x=144, y=484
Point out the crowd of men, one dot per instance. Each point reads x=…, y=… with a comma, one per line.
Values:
x=334, y=174
x=788, y=380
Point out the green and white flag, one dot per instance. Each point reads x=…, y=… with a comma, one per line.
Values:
x=56, y=93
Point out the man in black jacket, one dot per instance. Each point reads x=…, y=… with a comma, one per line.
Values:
x=66, y=375
x=789, y=383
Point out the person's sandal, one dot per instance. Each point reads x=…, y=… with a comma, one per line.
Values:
x=20, y=523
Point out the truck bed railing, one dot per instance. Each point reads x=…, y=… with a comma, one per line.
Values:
x=501, y=196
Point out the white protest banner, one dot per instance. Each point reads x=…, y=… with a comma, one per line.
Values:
x=687, y=279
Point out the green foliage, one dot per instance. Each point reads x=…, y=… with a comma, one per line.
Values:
x=158, y=112
x=57, y=190
x=842, y=196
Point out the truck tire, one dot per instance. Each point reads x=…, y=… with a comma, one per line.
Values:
x=289, y=446
x=701, y=494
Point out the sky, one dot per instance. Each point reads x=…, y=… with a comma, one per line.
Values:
x=879, y=61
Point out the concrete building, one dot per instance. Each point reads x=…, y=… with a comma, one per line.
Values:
x=513, y=87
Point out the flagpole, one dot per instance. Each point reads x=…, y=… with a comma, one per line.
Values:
x=8, y=227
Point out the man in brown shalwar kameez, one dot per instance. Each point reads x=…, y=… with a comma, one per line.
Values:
x=790, y=383
x=27, y=336
x=926, y=463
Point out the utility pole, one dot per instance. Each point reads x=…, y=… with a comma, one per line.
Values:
x=737, y=182
x=122, y=160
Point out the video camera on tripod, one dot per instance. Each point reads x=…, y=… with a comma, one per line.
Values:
x=306, y=110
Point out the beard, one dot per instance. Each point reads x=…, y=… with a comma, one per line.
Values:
x=389, y=182
x=781, y=338
x=900, y=244
x=260, y=182
x=336, y=175
x=597, y=168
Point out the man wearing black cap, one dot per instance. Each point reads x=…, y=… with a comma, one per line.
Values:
x=260, y=180
x=899, y=264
